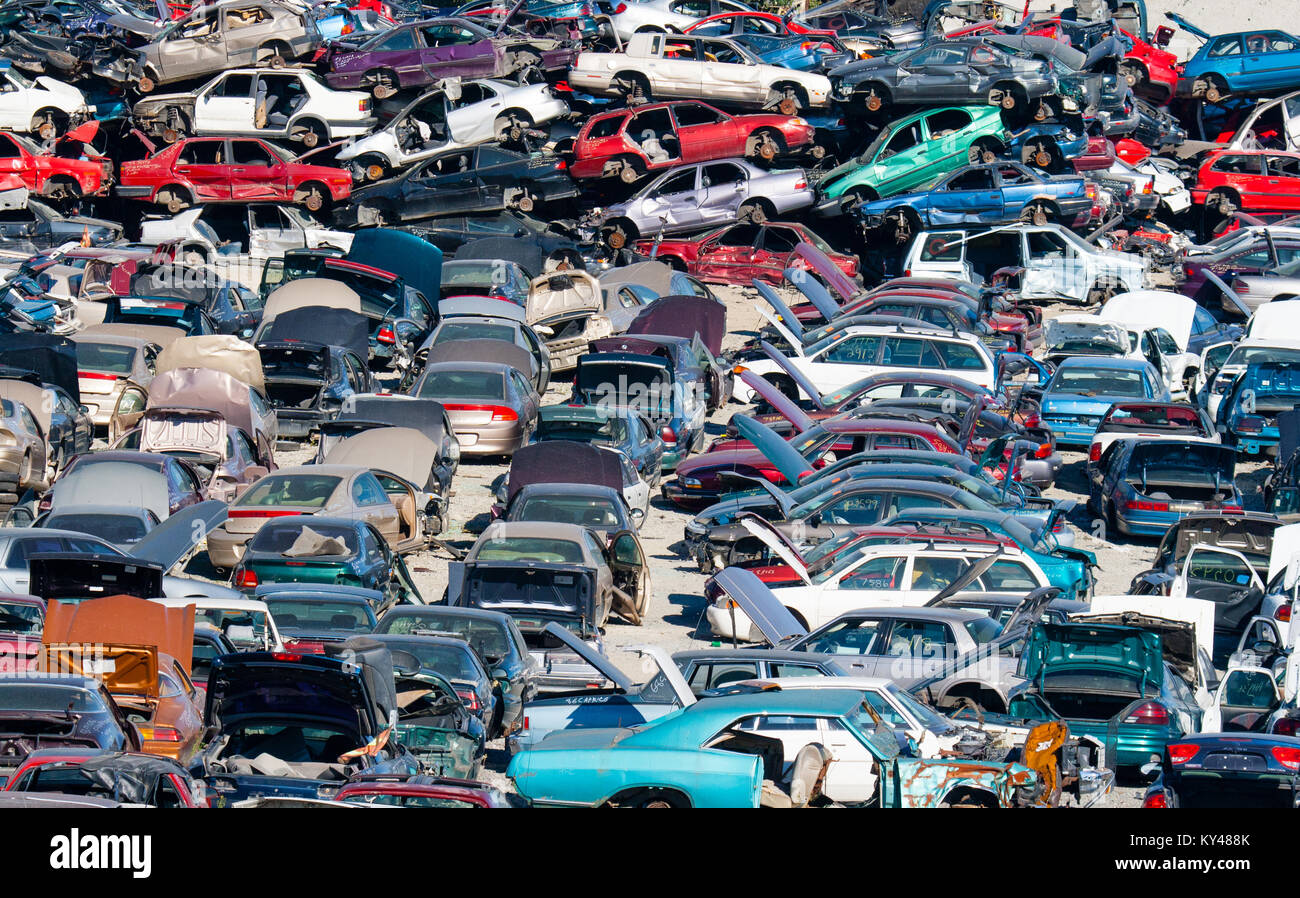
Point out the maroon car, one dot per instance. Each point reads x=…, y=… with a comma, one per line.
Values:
x=630, y=143
x=420, y=53
x=423, y=791
x=741, y=252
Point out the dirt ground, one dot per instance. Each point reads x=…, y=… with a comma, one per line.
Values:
x=675, y=619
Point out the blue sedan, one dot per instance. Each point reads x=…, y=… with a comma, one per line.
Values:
x=993, y=193
x=1143, y=487
x=1083, y=389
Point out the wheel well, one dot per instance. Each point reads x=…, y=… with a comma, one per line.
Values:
x=967, y=796
x=1229, y=192
x=773, y=133
x=868, y=194
x=642, y=794
x=677, y=263
x=631, y=76
x=175, y=189
x=628, y=227
x=803, y=622
x=987, y=699
x=761, y=202
x=991, y=143
x=1011, y=87
x=312, y=122
x=880, y=87
x=649, y=29
x=783, y=86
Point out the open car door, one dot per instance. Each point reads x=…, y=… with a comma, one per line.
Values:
x=627, y=561
x=1243, y=701
x=1224, y=577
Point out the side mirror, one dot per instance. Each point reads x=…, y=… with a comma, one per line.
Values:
x=638, y=516
x=815, y=520
x=85, y=409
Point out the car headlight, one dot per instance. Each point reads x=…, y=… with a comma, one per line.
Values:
x=690, y=482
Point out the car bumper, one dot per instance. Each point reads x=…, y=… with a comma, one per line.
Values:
x=1072, y=434
x=131, y=192
x=683, y=497
x=1255, y=445
x=491, y=440
x=1041, y=471
x=225, y=549
x=1145, y=523
x=297, y=425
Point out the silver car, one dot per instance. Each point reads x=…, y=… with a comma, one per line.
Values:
x=1282, y=282
x=694, y=197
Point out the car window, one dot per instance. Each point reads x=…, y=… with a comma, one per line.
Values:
x=721, y=174
x=720, y=51
x=854, y=636
x=972, y=179
x=959, y=355
x=789, y=669
x=201, y=152
x=1008, y=576
x=883, y=572
x=745, y=235
x=366, y=490
x=250, y=152
x=859, y=350
x=1238, y=164
x=910, y=352
x=235, y=85
x=1224, y=45
x=712, y=675
x=904, y=139
x=682, y=182
x=946, y=121
x=930, y=572
x=864, y=508
x=919, y=639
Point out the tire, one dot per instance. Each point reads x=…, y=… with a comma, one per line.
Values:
x=313, y=197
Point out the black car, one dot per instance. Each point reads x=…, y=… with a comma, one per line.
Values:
x=42, y=227
x=1228, y=770
x=451, y=232
x=49, y=710
x=458, y=663
x=229, y=307
x=313, y=360
x=493, y=635
x=477, y=179
x=964, y=72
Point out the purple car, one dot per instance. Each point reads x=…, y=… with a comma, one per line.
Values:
x=1244, y=255
x=420, y=53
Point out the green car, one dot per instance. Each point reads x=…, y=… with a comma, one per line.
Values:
x=911, y=152
x=1123, y=685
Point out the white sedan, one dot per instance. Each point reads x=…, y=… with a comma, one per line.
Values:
x=43, y=106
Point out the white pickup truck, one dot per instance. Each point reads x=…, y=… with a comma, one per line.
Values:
x=669, y=66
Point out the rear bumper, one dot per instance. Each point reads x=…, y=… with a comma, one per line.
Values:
x=294, y=424
x=131, y=192
x=491, y=440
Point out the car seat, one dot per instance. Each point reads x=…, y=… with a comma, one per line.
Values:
x=342, y=622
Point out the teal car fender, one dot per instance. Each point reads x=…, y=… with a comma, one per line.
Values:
x=591, y=777
x=930, y=784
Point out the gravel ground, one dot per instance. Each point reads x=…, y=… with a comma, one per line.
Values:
x=675, y=618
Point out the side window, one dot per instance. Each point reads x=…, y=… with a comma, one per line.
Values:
x=910, y=352
x=721, y=174
x=1010, y=576
x=919, y=639
x=237, y=85
x=864, y=508
x=683, y=182
x=1045, y=244
x=885, y=572
x=946, y=121
x=794, y=670
x=850, y=637
x=859, y=350
x=959, y=355
x=366, y=491
x=711, y=676
x=201, y=152
x=1202, y=321
x=400, y=40
x=908, y=137
x=606, y=127
x=688, y=114
x=936, y=573
x=250, y=152
x=1226, y=45
x=973, y=179
x=944, y=247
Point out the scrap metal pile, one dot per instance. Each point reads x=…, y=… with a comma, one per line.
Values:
x=273, y=272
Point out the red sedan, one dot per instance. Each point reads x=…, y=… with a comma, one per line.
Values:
x=741, y=252
x=226, y=170
x=1249, y=181
x=53, y=175
x=631, y=143
x=423, y=791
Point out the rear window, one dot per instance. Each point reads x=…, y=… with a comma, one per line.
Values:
x=486, y=637
x=277, y=537
x=297, y=616
x=309, y=490
x=462, y=385
x=48, y=697
x=107, y=358
x=474, y=331
x=941, y=248
x=983, y=630
x=115, y=528
x=518, y=548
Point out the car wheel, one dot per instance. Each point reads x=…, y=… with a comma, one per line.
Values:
x=754, y=213
x=1035, y=214
x=616, y=237
x=313, y=199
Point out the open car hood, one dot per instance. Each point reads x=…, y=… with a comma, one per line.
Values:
x=569, y=292
x=1252, y=535
x=261, y=686
x=775, y=449
x=76, y=576
x=760, y=604
x=126, y=670
x=166, y=430
x=776, y=541
x=1126, y=650
x=813, y=291
x=603, y=665
x=794, y=374
x=1148, y=309
x=821, y=263
x=178, y=537
x=781, y=403
x=1107, y=336
x=668, y=670
x=785, y=319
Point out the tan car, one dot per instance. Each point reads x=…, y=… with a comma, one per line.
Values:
x=213, y=38
x=142, y=651
x=340, y=491
x=492, y=406
x=105, y=364
x=23, y=451
x=567, y=309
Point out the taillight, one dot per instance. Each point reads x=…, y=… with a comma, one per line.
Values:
x=160, y=734
x=1155, y=800
x=1287, y=756
x=621, y=8
x=800, y=185
x=499, y=412
x=1181, y=754
x=262, y=513
x=286, y=656
x=1283, y=613
x=386, y=335
x=561, y=165
x=1094, y=452
x=363, y=105
x=667, y=435
x=1145, y=505
x=1149, y=714
x=246, y=579
x=96, y=375
x=1287, y=726
x=1044, y=450
x=470, y=699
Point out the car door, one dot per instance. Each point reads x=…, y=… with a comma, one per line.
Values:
x=444, y=184
x=271, y=232
x=916, y=648
x=1226, y=578
x=244, y=29
x=1282, y=177
x=1246, y=697
x=872, y=583
x=705, y=133
x=674, y=203
x=933, y=73
x=854, y=773
x=675, y=70
x=256, y=173
x=372, y=504
x=726, y=187
x=203, y=163
x=194, y=47
x=946, y=147
x=968, y=195
x=728, y=74
x=897, y=166
x=728, y=255
x=1052, y=267
x=226, y=106
x=1271, y=59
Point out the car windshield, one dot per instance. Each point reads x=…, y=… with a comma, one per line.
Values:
x=21, y=619
x=587, y=511
x=307, y=490
x=105, y=358
x=1099, y=382
x=531, y=548
x=296, y=616
x=1253, y=355
x=984, y=629
x=116, y=528
x=462, y=385
x=924, y=714
x=474, y=272
x=279, y=538
x=455, y=662
x=49, y=697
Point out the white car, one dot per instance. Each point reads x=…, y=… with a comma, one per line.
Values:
x=1223, y=362
x=897, y=574
x=286, y=104
x=43, y=105
x=1159, y=326
x=1165, y=181
x=1059, y=264
x=262, y=231
x=670, y=66
x=858, y=351
x=668, y=15
x=248, y=623
x=452, y=116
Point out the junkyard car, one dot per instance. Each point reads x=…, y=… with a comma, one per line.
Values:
x=1083, y=389
x=1253, y=61
x=53, y=711
x=492, y=406
x=1142, y=486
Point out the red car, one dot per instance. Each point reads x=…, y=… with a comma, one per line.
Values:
x=226, y=170
x=741, y=252
x=167, y=784
x=58, y=174
x=424, y=791
x=1249, y=181
x=630, y=143
x=1149, y=69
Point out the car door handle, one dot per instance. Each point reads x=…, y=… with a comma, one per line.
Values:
x=238, y=171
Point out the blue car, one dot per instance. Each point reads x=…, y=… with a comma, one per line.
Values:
x=1249, y=410
x=801, y=52
x=1142, y=487
x=1083, y=389
x=1049, y=145
x=994, y=193
x=1239, y=62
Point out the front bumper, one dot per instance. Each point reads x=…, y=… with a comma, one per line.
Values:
x=688, y=498
x=720, y=622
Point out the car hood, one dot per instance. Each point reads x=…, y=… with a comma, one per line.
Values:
x=760, y=604
x=1147, y=309
x=1125, y=650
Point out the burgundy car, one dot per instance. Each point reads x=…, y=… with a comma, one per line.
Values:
x=231, y=170
x=424, y=791
x=425, y=52
x=741, y=252
x=630, y=143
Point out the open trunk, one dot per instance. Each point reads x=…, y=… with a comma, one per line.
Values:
x=23, y=734
x=533, y=593
x=289, y=392
x=1168, y=490
x=1075, y=704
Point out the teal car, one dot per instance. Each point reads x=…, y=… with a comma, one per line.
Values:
x=1112, y=682
x=718, y=752
x=1065, y=566
x=912, y=152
